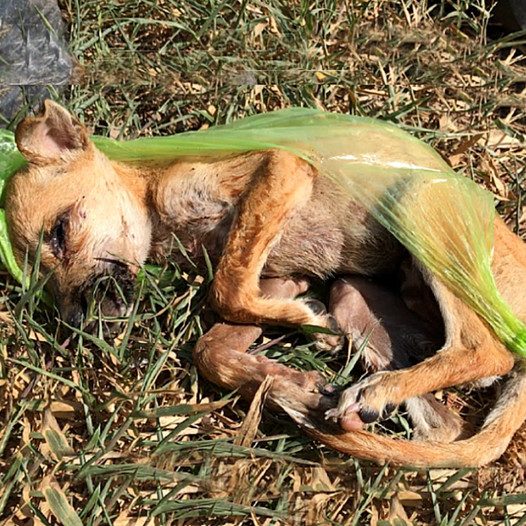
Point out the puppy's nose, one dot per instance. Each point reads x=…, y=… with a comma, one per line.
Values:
x=75, y=317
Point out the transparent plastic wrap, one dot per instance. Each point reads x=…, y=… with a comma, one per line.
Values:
x=445, y=220
x=34, y=58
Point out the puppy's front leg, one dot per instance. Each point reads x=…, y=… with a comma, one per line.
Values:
x=221, y=357
x=281, y=187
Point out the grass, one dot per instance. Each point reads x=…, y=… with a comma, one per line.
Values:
x=123, y=431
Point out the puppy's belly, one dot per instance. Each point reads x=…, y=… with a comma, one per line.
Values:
x=323, y=249
x=330, y=235
x=316, y=254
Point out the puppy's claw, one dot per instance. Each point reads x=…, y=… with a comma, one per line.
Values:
x=389, y=409
x=367, y=398
x=368, y=416
x=337, y=414
x=325, y=342
x=359, y=405
x=298, y=417
x=316, y=306
x=328, y=390
x=349, y=420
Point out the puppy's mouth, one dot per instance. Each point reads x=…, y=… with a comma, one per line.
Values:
x=109, y=294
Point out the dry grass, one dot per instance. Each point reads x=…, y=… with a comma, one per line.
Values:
x=123, y=430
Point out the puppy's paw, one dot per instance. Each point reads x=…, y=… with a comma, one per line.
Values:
x=434, y=422
x=312, y=381
x=305, y=406
x=329, y=342
x=369, y=400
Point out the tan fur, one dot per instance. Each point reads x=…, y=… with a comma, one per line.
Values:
x=260, y=214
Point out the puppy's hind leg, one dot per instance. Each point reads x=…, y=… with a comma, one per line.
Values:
x=390, y=336
x=471, y=352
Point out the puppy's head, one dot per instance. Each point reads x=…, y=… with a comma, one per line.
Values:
x=93, y=219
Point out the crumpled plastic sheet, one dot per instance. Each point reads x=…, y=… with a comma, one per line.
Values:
x=34, y=60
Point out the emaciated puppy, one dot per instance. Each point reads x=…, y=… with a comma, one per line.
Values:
x=259, y=214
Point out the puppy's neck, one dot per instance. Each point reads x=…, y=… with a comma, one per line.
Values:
x=135, y=179
x=142, y=182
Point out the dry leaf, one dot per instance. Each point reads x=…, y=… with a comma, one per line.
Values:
x=124, y=520
x=410, y=498
x=498, y=140
x=56, y=441
x=250, y=425
x=259, y=28
x=273, y=26
x=397, y=511
x=321, y=480
x=65, y=409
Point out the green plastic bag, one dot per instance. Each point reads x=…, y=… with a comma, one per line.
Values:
x=10, y=161
x=442, y=218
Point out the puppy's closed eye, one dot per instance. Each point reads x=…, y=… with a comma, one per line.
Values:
x=57, y=236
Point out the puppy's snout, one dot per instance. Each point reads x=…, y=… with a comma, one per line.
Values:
x=109, y=293
x=73, y=313
x=112, y=291
x=72, y=307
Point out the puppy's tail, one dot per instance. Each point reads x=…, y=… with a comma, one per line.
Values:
x=488, y=444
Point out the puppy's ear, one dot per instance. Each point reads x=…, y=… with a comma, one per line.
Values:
x=51, y=135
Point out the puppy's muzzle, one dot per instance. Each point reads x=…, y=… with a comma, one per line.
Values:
x=109, y=293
